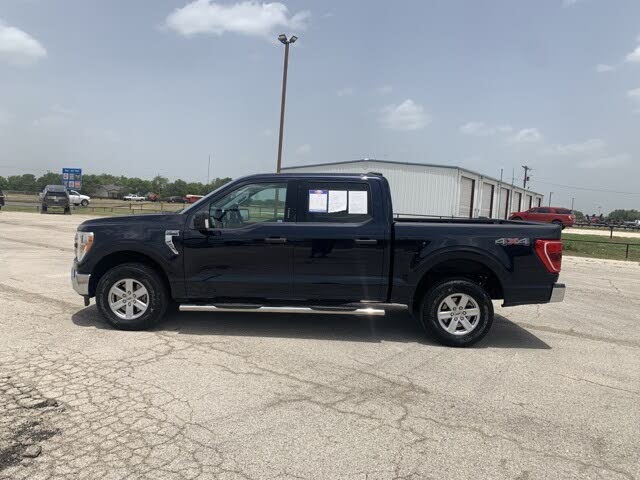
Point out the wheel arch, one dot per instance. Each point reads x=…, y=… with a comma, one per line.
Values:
x=119, y=258
x=464, y=267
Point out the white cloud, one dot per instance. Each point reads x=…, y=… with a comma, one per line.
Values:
x=5, y=117
x=19, y=48
x=304, y=149
x=344, y=92
x=246, y=18
x=55, y=117
x=384, y=89
x=620, y=160
x=526, y=135
x=634, y=94
x=603, y=67
x=102, y=134
x=408, y=115
x=481, y=129
x=589, y=146
x=634, y=57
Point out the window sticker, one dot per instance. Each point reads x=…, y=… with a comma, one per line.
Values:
x=337, y=201
x=358, y=202
x=318, y=201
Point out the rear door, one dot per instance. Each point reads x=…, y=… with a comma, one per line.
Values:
x=340, y=242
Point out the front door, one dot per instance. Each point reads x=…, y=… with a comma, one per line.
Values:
x=340, y=243
x=245, y=254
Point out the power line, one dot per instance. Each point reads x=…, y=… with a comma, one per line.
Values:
x=589, y=189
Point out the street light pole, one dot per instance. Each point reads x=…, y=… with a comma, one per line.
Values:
x=550, y=194
x=283, y=39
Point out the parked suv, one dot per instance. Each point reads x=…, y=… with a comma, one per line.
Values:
x=557, y=215
x=55, y=196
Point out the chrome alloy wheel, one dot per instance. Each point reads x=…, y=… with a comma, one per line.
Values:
x=128, y=299
x=458, y=314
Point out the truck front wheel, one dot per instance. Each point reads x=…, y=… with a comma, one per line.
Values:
x=131, y=296
x=457, y=312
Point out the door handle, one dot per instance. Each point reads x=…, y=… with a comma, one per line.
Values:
x=366, y=241
x=275, y=240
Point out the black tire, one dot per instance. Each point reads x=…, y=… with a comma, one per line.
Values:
x=432, y=300
x=516, y=218
x=43, y=209
x=67, y=211
x=558, y=222
x=84, y=203
x=149, y=278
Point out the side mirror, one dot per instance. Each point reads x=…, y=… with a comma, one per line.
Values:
x=201, y=221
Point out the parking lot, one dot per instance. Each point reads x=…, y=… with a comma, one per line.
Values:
x=552, y=392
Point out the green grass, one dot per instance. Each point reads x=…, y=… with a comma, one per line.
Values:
x=605, y=248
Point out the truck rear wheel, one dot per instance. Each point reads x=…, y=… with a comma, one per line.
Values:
x=131, y=296
x=457, y=312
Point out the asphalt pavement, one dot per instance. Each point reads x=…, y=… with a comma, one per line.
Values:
x=552, y=392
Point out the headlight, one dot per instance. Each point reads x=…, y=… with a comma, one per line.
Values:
x=84, y=242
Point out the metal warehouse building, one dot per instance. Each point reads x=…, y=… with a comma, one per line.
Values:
x=439, y=190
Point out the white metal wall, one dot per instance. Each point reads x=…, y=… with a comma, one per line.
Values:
x=487, y=199
x=429, y=190
x=465, y=202
x=415, y=189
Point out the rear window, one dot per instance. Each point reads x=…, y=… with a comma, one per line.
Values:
x=339, y=202
x=56, y=188
x=563, y=211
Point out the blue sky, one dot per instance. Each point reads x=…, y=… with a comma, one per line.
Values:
x=141, y=88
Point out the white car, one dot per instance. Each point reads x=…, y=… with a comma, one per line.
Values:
x=134, y=198
x=78, y=199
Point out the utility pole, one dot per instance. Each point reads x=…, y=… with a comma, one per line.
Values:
x=526, y=178
x=550, y=194
x=499, y=191
x=286, y=42
x=209, y=171
x=572, y=199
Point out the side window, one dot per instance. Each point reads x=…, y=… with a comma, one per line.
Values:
x=544, y=210
x=249, y=204
x=534, y=210
x=339, y=202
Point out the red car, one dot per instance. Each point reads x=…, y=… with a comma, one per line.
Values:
x=558, y=215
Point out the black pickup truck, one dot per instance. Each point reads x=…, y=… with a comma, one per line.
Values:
x=314, y=243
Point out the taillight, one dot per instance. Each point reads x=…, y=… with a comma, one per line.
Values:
x=550, y=253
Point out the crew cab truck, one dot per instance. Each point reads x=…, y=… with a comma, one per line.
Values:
x=314, y=243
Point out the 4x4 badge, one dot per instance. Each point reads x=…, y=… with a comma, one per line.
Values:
x=513, y=241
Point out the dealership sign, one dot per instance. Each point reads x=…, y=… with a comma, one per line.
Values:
x=72, y=178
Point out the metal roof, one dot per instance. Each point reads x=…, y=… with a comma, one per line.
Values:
x=392, y=162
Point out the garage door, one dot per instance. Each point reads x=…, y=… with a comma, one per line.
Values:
x=466, y=197
x=486, y=209
x=504, y=203
x=517, y=204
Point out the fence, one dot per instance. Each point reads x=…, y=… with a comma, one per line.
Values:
x=592, y=249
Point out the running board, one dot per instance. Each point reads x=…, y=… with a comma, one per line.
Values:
x=266, y=309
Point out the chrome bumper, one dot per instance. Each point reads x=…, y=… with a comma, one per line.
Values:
x=557, y=294
x=80, y=282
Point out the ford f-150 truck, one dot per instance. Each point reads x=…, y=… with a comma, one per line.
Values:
x=314, y=243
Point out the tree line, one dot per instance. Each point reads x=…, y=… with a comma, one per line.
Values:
x=91, y=184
